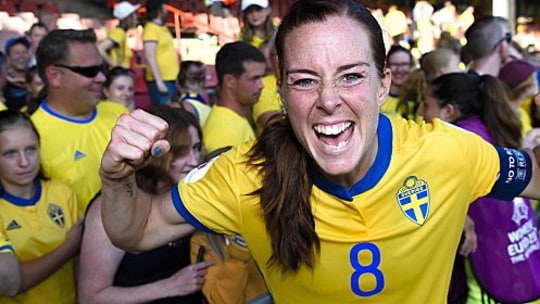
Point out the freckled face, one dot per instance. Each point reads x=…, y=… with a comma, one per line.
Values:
x=332, y=90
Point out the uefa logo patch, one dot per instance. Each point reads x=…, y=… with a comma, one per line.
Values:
x=413, y=199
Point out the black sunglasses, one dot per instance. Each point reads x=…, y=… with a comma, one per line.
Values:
x=507, y=37
x=88, y=71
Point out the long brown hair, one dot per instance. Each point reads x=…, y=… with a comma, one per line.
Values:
x=247, y=33
x=284, y=162
x=483, y=96
x=179, y=121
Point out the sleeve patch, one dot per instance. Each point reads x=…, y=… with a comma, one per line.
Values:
x=514, y=175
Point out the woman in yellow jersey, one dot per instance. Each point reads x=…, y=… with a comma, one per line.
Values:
x=115, y=50
x=336, y=202
x=38, y=216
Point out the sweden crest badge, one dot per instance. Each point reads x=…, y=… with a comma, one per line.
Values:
x=413, y=199
x=56, y=214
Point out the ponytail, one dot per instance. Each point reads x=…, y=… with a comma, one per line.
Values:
x=501, y=121
x=284, y=196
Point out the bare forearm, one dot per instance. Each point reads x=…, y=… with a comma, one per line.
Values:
x=124, y=210
x=10, y=278
x=129, y=295
x=150, y=55
x=36, y=271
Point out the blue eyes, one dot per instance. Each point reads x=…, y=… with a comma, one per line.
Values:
x=312, y=84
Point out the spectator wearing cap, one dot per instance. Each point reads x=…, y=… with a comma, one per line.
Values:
x=488, y=44
x=114, y=48
x=17, y=50
x=520, y=76
x=258, y=28
x=160, y=54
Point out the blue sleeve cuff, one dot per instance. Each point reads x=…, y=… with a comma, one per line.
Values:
x=7, y=247
x=181, y=209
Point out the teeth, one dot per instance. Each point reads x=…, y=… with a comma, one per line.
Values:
x=332, y=130
x=338, y=146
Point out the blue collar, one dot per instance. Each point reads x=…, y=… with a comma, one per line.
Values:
x=375, y=173
x=47, y=109
x=23, y=202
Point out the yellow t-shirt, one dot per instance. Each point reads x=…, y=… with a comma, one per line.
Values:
x=36, y=227
x=270, y=101
x=120, y=53
x=166, y=55
x=224, y=127
x=256, y=41
x=71, y=149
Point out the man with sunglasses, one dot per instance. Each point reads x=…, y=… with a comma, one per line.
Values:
x=488, y=43
x=74, y=124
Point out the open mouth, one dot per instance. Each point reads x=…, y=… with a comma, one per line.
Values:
x=334, y=136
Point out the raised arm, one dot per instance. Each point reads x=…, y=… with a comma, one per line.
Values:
x=99, y=261
x=134, y=220
x=533, y=189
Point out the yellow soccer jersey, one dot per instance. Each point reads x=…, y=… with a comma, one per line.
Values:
x=36, y=227
x=269, y=100
x=71, y=149
x=391, y=238
x=120, y=53
x=224, y=127
x=167, y=58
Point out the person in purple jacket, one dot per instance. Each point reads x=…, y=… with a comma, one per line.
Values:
x=506, y=261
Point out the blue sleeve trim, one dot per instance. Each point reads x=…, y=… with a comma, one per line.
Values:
x=181, y=209
x=514, y=176
x=7, y=247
